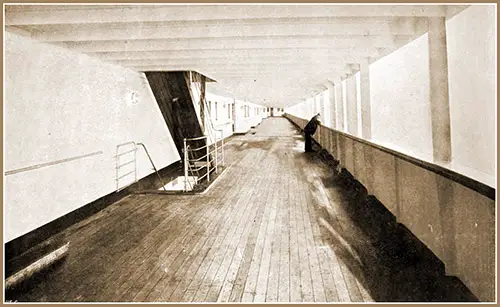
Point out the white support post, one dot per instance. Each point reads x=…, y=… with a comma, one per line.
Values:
x=438, y=90
x=351, y=105
x=333, y=109
x=339, y=95
x=366, y=121
x=322, y=104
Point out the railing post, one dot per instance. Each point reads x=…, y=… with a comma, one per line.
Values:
x=208, y=161
x=216, y=153
x=185, y=166
x=222, y=146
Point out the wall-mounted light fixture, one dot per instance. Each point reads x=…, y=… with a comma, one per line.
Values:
x=132, y=97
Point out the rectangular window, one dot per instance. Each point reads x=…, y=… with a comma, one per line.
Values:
x=228, y=111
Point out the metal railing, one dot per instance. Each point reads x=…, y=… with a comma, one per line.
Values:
x=213, y=156
x=130, y=148
x=128, y=152
x=211, y=160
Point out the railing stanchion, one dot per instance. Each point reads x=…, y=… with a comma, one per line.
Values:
x=154, y=167
x=208, y=161
x=118, y=164
x=185, y=165
x=222, y=146
x=216, y=153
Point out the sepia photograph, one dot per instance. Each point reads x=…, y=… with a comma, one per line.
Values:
x=249, y=152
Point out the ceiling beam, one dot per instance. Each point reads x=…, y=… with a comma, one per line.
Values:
x=85, y=14
x=273, y=60
x=257, y=67
x=332, y=42
x=234, y=53
x=159, y=30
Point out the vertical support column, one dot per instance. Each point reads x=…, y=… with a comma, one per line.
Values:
x=366, y=117
x=315, y=105
x=438, y=83
x=322, y=104
x=352, y=105
x=331, y=100
x=312, y=107
x=339, y=101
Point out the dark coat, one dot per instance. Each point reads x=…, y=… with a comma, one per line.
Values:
x=312, y=125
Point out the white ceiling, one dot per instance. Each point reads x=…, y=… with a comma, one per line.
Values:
x=274, y=55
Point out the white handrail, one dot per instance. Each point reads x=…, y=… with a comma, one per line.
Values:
x=118, y=165
x=212, y=134
x=134, y=161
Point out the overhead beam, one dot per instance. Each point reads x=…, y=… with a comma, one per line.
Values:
x=284, y=68
x=160, y=30
x=235, y=53
x=274, y=60
x=332, y=42
x=85, y=14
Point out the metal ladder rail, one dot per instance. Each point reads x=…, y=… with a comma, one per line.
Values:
x=118, y=165
x=188, y=158
x=210, y=128
x=190, y=169
x=193, y=167
x=154, y=167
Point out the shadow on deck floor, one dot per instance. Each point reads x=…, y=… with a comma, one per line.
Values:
x=391, y=263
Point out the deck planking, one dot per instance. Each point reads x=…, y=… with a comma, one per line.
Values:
x=266, y=231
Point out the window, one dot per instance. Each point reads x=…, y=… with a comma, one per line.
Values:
x=228, y=110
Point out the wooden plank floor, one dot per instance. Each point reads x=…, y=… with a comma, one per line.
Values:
x=268, y=230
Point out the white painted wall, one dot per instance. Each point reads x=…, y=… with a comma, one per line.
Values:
x=471, y=39
x=60, y=104
x=245, y=121
x=278, y=111
x=399, y=90
x=221, y=112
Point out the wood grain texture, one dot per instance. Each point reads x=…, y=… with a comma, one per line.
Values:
x=275, y=227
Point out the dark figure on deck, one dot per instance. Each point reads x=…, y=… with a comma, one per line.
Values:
x=309, y=130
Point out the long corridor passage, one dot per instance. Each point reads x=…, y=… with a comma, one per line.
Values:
x=276, y=226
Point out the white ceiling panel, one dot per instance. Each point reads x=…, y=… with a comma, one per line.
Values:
x=270, y=54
